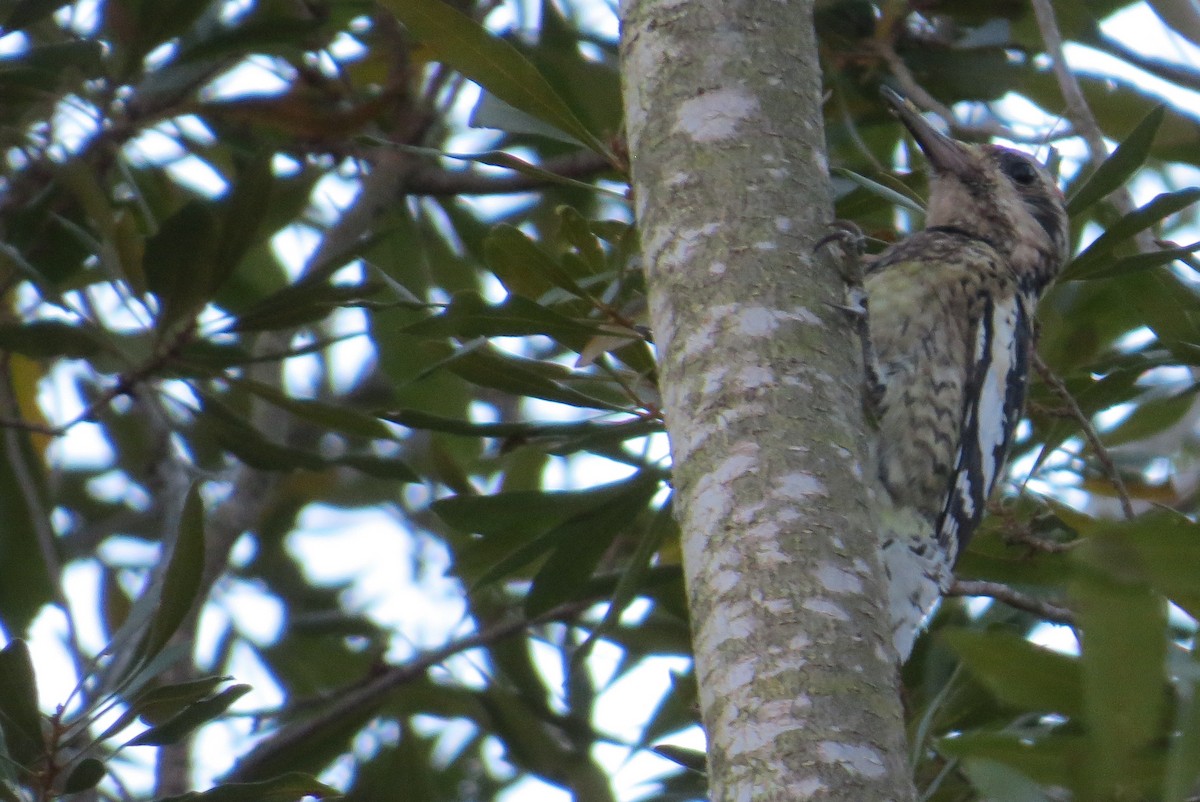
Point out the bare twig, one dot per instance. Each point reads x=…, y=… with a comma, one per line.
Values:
x=1106, y=461
x=1013, y=598
x=917, y=94
x=1078, y=111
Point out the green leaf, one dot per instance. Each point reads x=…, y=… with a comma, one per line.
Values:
x=1019, y=673
x=1152, y=417
x=285, y=788
x=20, y=720
x=157, y=705
x=580, y=543
x=633, y=577
x=1047, y=760
x=1183, y=756
x=500, y=158
x=304, y=302
x=87, y=774
x=875, y=188
x=502, y=514
x=488, y=367
x=26, y=12
x=190, y=718
x=179, y=261
x=47, y=339
x=469, y=316
x=416, y=419
x=576, y=230
x=1138, y=261
x=336, y=417
x=523, y=267
x=242, y=214
x=380, y=467
x=1103, y=248
x=1161, y=549
x=491, y=62
x=677, y=710
x=181, y=583
x=1001, y=783
x=233, y=433
x=692, y=759
x=1129, y=157
x=1124, y=645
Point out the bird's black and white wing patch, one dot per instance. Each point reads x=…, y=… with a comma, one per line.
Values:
x=993, y=401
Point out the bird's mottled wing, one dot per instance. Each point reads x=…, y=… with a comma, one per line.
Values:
x=997, y=381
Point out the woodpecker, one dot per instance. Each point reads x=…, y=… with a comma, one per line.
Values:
x=949, y=317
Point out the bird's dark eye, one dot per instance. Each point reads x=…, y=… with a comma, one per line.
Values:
x=1019, y=170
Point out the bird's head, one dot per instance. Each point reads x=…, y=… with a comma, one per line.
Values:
x=997, y=194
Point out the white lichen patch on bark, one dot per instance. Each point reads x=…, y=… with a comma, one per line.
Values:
x=714, y=494
x=808, y=788
x=752, y=377
x=742, y=321
x=825, y=607
x=855, y=758
x=758, y=321
x=726, y=622
x=800, y=487
x=838, y=580
x=684, y=445
x=765, y=536
x=715, y=115
x=714, y=379
x=679, y=179
x=768, y=722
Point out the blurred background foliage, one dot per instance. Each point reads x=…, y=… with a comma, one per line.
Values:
x=290, y=285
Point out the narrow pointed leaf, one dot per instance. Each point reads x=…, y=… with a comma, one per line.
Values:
x=874, y=187
x=20, y=720
x=1102, y=249
x=1124, y=645
x=182, y=581
x=87, y=774
x=493, y=63
x=192, y=717
x=1129, y=157
x=1019, y=673
x=285, y=788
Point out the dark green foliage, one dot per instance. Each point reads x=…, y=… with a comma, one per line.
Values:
x=501, y=344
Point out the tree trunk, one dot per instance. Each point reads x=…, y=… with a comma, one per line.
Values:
x=761, y=391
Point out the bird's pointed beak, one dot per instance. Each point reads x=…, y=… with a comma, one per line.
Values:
x=943, y=153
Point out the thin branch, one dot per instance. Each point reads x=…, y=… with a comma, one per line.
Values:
x=353, y=701
x=1078, y=111
x=917, y=94
x=1181, y=74
x=1013, y=598
x=1106, y=461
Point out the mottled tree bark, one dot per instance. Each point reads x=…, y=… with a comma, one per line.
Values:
x=761, y=390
